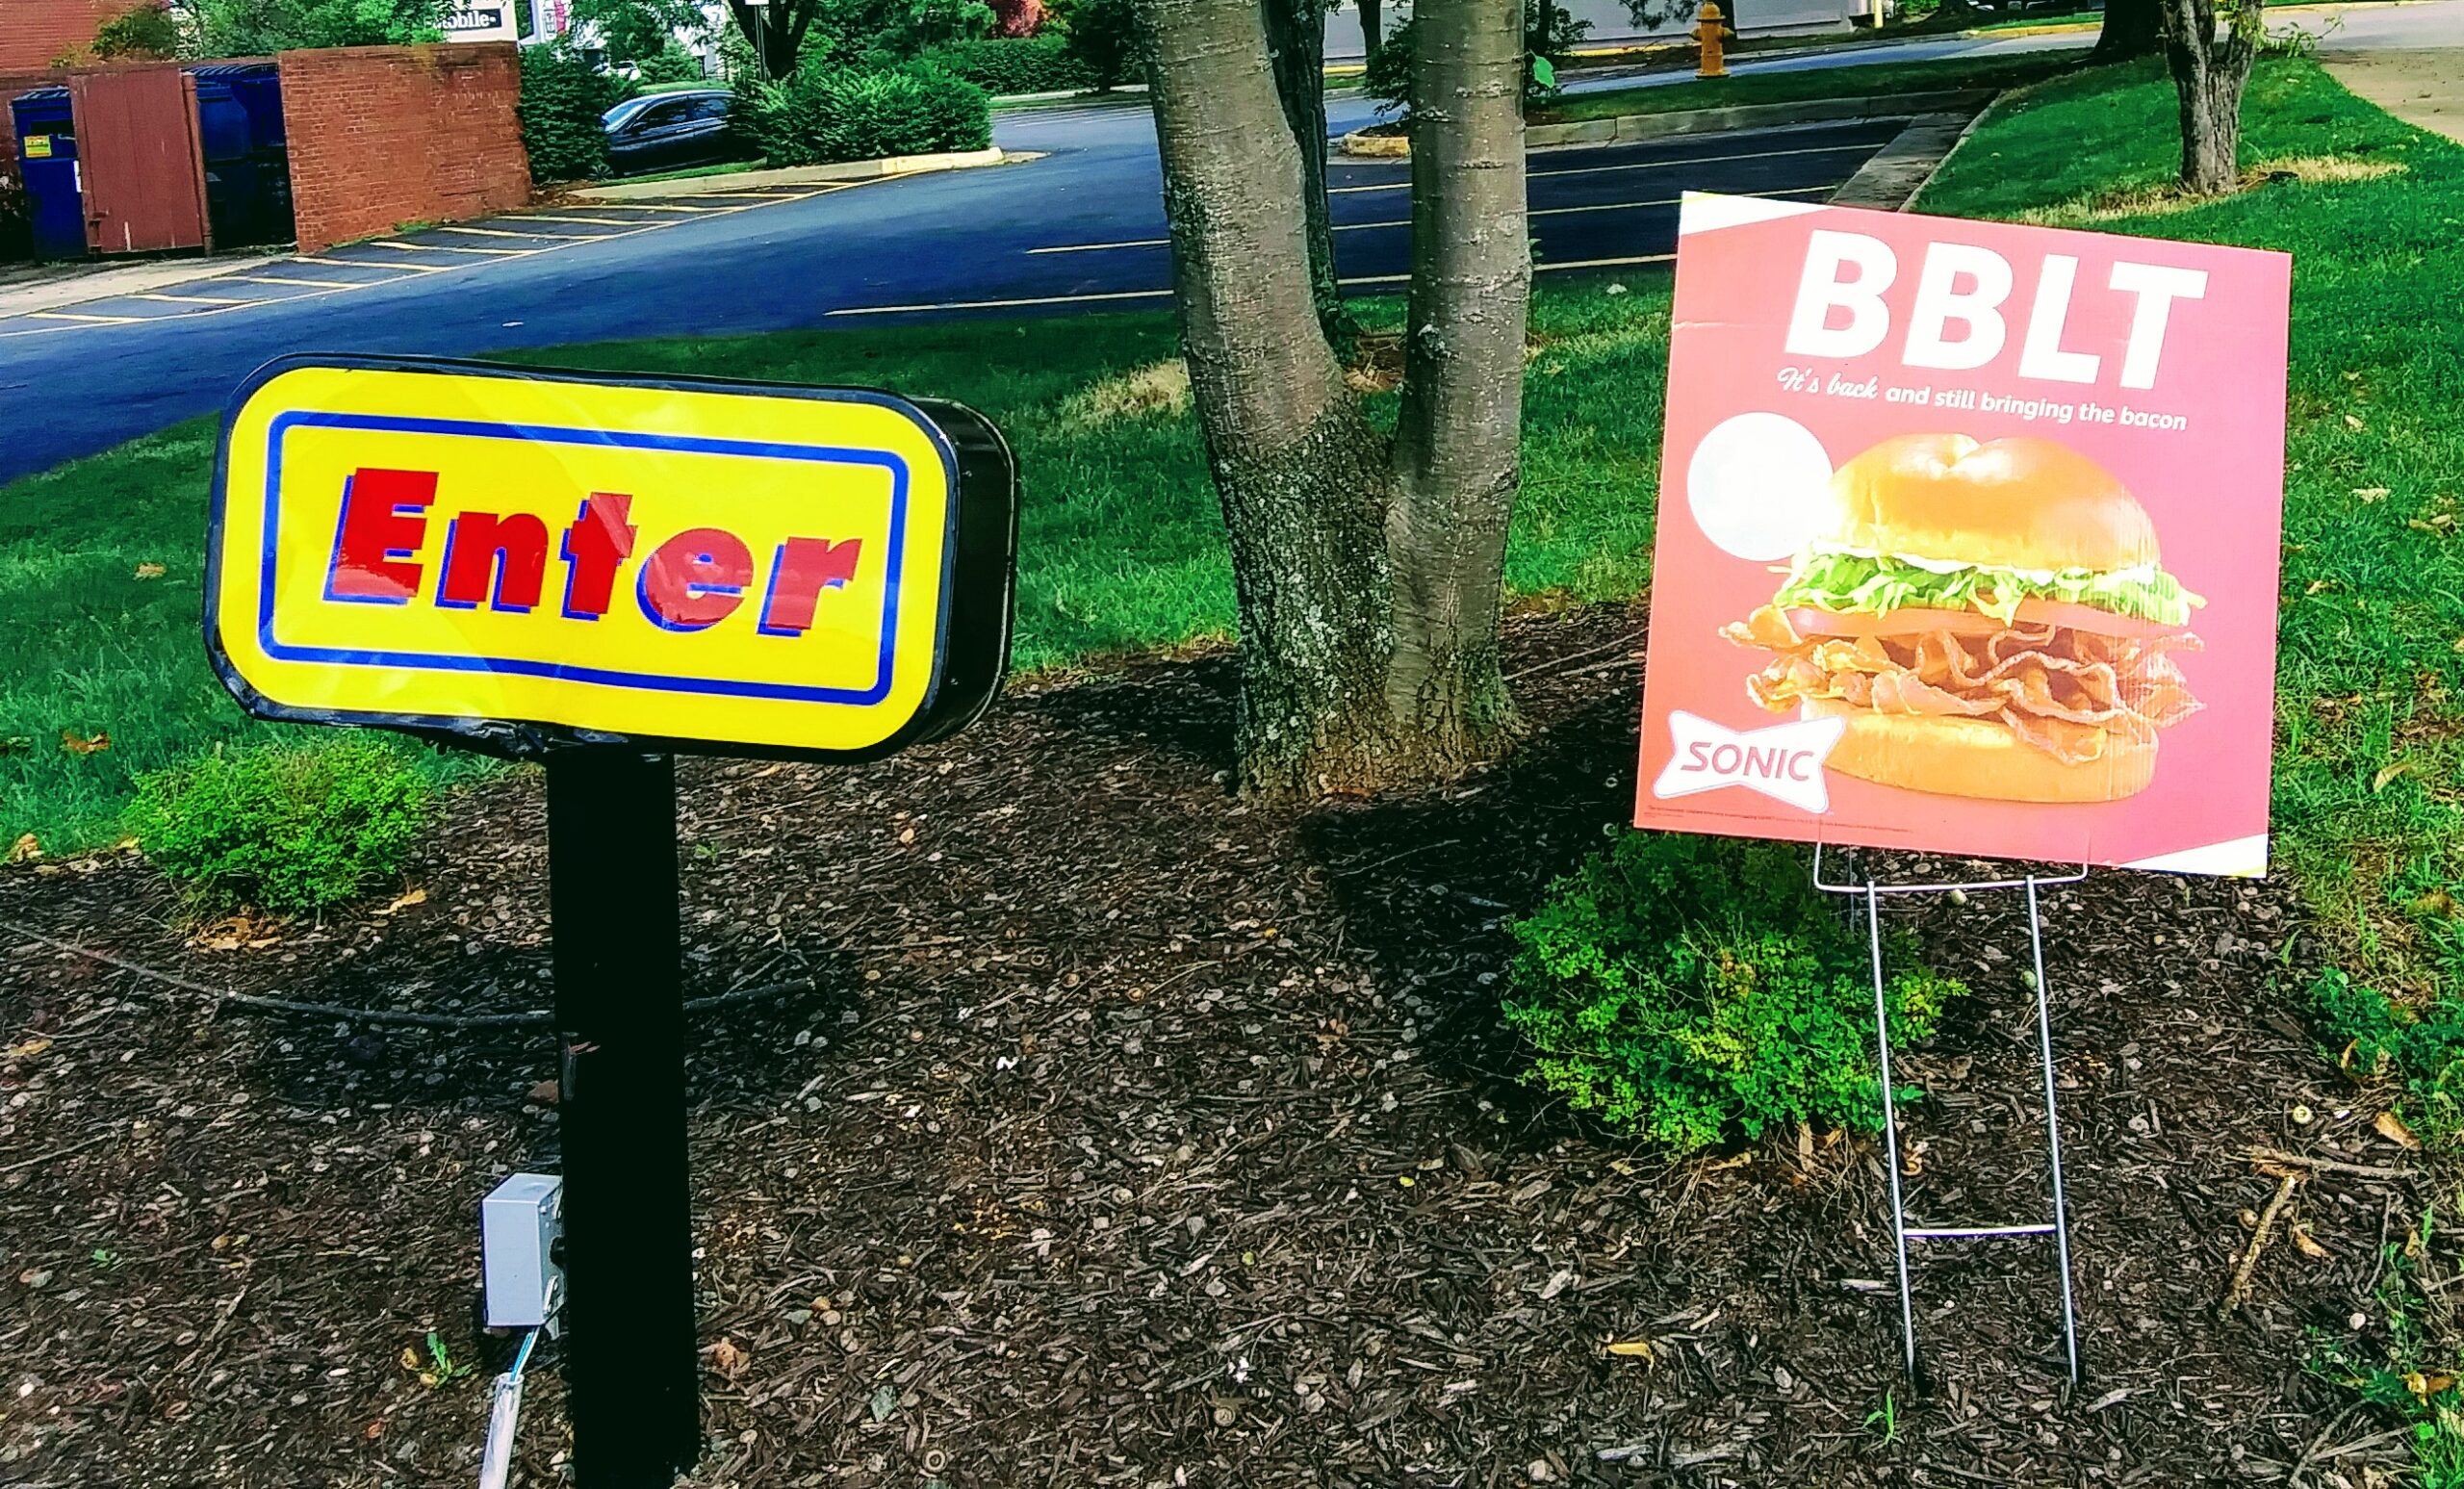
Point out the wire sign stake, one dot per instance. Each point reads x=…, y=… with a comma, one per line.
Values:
x=1902, y=1233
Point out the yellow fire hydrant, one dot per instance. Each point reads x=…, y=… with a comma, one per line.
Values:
x=1713, y=33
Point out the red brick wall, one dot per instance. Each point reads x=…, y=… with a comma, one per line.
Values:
x=381, y=136
x=36, y=32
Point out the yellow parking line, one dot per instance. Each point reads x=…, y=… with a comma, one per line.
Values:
x=404, y=266
x=70, y=314
x=450, y=247
x=195, y=299
x=548, y=217
x=312, y=284
x=486, y=232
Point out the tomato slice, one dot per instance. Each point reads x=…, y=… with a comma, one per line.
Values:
x=1916, y=619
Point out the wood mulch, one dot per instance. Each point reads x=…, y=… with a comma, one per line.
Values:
x=1138, y=1136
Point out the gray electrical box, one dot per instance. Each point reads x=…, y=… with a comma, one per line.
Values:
x=519, y=1224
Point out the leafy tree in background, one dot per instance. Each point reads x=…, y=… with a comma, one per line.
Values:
x=1102, y=35
x=635, y=31
x=259, y=28
x=149, y=33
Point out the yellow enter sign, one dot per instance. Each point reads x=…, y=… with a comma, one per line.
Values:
x=526, y=558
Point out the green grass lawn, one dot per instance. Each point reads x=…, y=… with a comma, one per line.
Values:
x=2370, y=773
x=1874, y=80
x=1121, y=546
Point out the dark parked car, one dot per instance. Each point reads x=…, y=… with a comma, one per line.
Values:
x=669, y=130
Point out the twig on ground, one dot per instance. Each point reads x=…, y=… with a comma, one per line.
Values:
x=2301, y=1465
x=2240, y=1287
x=2268, y=1155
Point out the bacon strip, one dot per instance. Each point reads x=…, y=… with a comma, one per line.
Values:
x=2066, y=692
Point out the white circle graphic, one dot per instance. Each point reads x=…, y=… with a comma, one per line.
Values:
x=1757, y=484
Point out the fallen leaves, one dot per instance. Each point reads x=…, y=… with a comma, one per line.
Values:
x=2392, y=1127
x=26, y=1050
x=729, y=1358
x=1633, y=1349
x=404, y=901
x=150, y=571
x=85, y=744
x=25, y=850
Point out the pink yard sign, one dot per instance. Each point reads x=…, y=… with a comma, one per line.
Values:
x=1967, y=539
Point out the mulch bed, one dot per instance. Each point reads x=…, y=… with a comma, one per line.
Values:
x=1138, y=1136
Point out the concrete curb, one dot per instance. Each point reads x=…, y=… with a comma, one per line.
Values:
x=1893, y=176
x=791, y=175
x=1626, y=128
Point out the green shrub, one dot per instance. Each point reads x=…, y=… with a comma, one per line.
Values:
x=562, y=97
x=670, y=64
x=285, y=828
x=1685, y=988
x=1005, y=65
x=2375, y=1034
x=1104, y=37
x=824, y=113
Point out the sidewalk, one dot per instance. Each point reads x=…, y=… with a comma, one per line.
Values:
x=2423, y=86
x=75, y=284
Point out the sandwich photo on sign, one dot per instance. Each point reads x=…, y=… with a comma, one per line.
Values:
x=1967, y=539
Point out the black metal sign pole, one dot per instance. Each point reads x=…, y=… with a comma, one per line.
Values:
x=632, y=1373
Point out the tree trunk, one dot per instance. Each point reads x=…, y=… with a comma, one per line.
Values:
x=1300, y=473
x=1373, y=26
x=2131, y=28
x=776, y=32
x=1297, y=43
x=1457, y=441
x=2209, y=75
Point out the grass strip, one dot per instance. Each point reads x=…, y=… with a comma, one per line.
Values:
x=1121, y=548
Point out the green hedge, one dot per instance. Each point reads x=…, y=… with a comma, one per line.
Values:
x=562, y=97
x=823, y=114
x=290, y=828
x=1005, y=66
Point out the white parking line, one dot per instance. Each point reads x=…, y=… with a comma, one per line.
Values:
x=70, y=314
x=1590, y=170
x=1357, y=228
x=196, y=299
x=487, y=232
x=1157, y=295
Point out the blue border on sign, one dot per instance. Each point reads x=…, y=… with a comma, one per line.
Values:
x=758, y=449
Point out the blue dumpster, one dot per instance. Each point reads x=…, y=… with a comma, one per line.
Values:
x=46, y=135
x=247, y=160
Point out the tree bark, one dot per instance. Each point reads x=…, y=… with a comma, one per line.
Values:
x=777, y=38
x=1297, y=43
x=1300, y=471
x=1457, y=443
x=2131, y=28
x=1373, y=26
x=1366, y=569
x=2210, y=73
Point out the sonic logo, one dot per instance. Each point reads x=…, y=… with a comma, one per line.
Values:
x=1783, y=762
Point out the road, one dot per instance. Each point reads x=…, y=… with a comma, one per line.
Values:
x=1079, y=228
x=1082, y=227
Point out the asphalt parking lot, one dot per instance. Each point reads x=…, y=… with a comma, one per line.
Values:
x=1080, y=228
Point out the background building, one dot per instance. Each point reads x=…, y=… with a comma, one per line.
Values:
x=35, y=33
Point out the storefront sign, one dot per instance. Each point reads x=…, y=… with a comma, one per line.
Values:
x=1967, y=539
x=519, y=559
